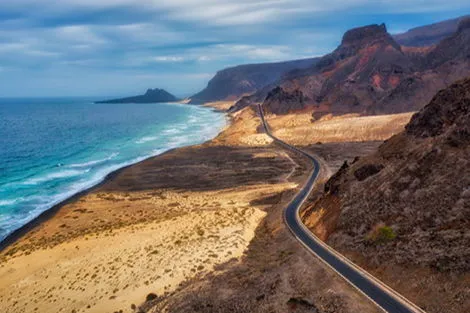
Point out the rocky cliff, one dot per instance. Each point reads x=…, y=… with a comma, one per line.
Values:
x=232, y=83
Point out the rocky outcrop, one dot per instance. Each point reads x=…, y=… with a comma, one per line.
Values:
x=335, y=181
x=357, y=38
x=367, y=170
x=436, y=119
x=151, y=96
x=280, y=101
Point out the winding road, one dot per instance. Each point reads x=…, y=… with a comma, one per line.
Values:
x=383, y=296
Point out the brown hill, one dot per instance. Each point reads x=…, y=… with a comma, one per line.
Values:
x=404, y=212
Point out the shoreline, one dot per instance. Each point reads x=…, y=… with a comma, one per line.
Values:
x=195, y=216
x=49, y=213
x=148, y=227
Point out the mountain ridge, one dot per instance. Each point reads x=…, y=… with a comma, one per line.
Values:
x=370, y=73
x=234, y=82
x=428, y=35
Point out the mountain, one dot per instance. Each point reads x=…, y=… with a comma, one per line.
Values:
x=234, y=82
x=429, y=34
x=370, y=73
x=364, y=67
x=405, y=209
x=435, y=69
x=151, y=96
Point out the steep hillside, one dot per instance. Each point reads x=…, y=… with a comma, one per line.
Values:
x=404, y=212
x=363, y=69
x=231, y=83
x=429, y=34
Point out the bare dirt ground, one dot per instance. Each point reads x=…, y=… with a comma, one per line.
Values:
x=220, y=105
x=196, y=229
x=301, y=129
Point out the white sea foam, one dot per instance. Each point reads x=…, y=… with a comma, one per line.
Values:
x=200, y=131
x=8, y=202
x=172, y=131
x=94, y=162
x=54, y=175
x=146, y=139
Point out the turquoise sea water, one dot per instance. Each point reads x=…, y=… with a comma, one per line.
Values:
x=50, y=149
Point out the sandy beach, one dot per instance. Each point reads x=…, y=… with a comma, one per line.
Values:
x=190, y=219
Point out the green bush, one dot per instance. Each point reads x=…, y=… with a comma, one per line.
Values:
x=385, y=234
x=381, y=234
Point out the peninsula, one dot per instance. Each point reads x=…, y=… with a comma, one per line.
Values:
x=151, y=96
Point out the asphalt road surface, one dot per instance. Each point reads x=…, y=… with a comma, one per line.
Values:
x=382, y=295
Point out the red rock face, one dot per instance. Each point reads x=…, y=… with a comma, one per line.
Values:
x=370, y=73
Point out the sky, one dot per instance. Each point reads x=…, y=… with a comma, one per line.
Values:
x=122, y=47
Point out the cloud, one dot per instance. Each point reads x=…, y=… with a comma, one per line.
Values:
x=169, y=59
x=40, y=40
x=78, y=33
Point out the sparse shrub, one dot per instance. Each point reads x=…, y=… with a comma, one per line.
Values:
x=200, y=232
x=150, y=297
x=381, y=234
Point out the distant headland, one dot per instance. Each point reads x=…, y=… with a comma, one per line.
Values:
x=151, y=96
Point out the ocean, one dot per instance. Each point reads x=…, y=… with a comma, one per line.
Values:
x=51, y=149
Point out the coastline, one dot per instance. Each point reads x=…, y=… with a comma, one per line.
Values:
x=193, y=217
x=68, y=232
x=50, y=212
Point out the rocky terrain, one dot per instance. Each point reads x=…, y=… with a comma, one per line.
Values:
x=151, y=96
x=429, y=34
x=280, y=101
x=370, y=73
x=232, y=83
x=403, y=212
